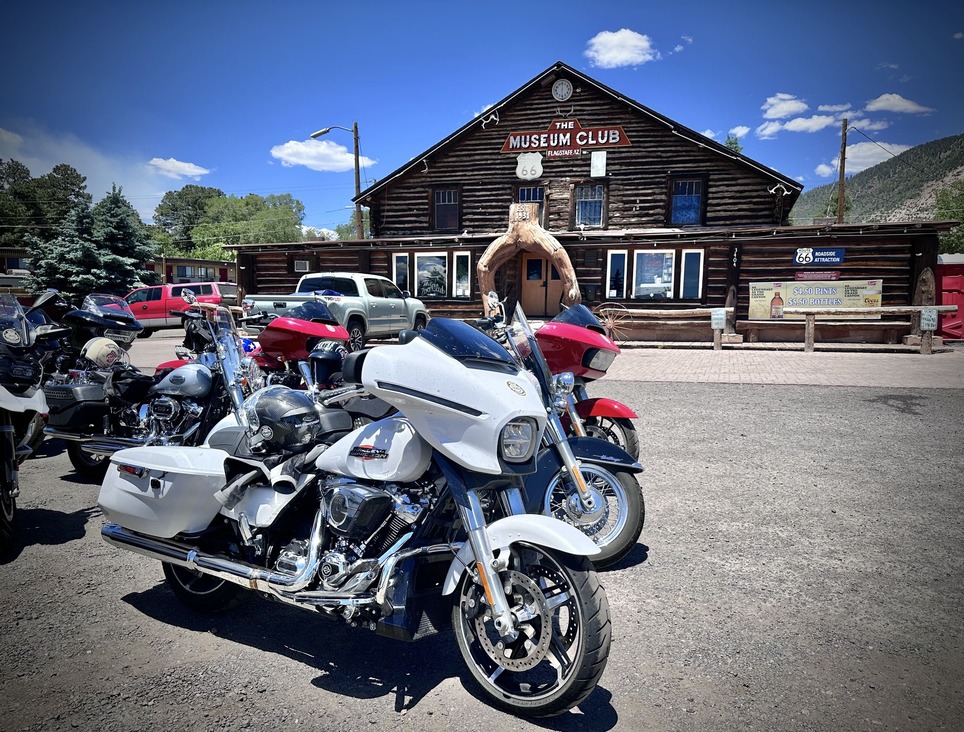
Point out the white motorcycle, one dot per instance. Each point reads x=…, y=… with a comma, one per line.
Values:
x=23, y=348
x=403, y=526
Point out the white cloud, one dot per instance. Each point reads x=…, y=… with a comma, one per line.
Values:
x=886, y=65
x=833, y=108
x=177, y=170
x=896, y=103
x=612, y=50
x=142, y=184
x=781, y=106
x=861, y=156
x=768, y=130
x=320, y=155
x=708, y=133
x=958, y=36
x=809, y=124
x=739, y=130
x=865, y=154
x=869, y=125
x=677, y=48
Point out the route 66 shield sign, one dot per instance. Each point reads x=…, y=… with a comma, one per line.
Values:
x=530, y=166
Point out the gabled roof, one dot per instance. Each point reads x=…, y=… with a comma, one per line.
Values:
x=549, y=75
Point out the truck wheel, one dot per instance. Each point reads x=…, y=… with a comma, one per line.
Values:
x=146, y=333
x=419, y=322
x=356, y=335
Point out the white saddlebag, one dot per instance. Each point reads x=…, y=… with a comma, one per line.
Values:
x=163, y=491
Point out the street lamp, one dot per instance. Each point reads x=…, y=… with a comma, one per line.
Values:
x=359, y=225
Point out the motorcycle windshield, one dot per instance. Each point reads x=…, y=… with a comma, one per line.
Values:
x=579, y=315
x=14, y=327
x=527, y=347
x=109, y=306
x=464, y=343
x=316, y=311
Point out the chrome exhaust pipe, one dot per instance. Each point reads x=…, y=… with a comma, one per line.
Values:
x=246, y=575
x=104, y=442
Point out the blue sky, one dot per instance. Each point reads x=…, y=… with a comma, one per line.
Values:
x=155, y=96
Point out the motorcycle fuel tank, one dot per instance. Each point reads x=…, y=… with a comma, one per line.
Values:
x=385, y=450
x=191, y=380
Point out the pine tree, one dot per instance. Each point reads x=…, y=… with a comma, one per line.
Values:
x=100, y=250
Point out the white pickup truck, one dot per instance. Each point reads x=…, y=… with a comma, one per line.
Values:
x=367, y=305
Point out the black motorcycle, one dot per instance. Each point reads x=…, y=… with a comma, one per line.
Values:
x=111, y=405
x=24, y=347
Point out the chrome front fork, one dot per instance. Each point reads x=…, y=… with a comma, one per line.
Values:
x=557, y=436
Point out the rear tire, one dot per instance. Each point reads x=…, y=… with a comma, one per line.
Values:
x=146, y=333
x=564, y=633
x=88, y=465
x=201, y=592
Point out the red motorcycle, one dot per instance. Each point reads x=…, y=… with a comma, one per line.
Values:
x=304, y=346
x=576, y=341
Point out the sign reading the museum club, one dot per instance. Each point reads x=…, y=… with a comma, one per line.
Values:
x=565, y=138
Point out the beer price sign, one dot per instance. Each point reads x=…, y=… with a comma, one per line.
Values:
x=768, y=299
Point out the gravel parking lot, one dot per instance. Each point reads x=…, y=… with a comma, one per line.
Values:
x=800, y=569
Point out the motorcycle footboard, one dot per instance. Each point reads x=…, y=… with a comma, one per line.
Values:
x=420, y=609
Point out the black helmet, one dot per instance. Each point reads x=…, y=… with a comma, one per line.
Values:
x=281, y=419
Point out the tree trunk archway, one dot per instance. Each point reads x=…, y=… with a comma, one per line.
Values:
x=525, y=235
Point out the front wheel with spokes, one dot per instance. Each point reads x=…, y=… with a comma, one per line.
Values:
x=558, y=651
x=616, y=518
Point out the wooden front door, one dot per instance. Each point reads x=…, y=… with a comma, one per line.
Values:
x=541, y=287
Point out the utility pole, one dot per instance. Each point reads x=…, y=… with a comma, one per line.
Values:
x=359, y=224
x=842, y=166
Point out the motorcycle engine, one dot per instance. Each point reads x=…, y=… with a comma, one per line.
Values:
x=167, y=416
x=366, y=521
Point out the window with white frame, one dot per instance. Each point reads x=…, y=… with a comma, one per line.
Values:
x=400, y=270
x=616, y=274
x=431, y=275
x=589, y=205
x=691, y=276
x=462, y=275
x=653, y=275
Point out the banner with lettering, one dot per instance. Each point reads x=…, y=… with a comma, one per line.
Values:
x=768, y=299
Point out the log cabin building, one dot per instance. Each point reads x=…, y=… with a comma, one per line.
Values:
x=650, y=214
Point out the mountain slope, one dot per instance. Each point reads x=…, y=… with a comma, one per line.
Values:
x=903, y=188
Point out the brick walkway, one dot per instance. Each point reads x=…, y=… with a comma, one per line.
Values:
x=826, y=368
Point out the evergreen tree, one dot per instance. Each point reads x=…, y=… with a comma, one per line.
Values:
x=950, y=207
x=99, y=250
x=733, y=142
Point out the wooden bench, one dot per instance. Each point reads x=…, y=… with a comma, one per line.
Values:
x=617, y=317
x=892, y=329
x=811, y=315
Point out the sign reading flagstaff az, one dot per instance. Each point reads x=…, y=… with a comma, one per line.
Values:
x=565, y=138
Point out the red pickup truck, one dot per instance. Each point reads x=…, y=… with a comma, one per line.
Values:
x=152, y=305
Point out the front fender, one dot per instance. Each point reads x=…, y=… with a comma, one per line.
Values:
x=602, y=407
x=530, y=528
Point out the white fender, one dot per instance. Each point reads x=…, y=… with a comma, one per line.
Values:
x=18, y=403
x=530, y=528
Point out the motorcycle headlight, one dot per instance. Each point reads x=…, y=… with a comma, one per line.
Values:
x=598, y=359
x=562, y=385
x=254, y=377
x=518, y=440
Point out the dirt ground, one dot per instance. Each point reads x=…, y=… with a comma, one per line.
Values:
x=800, y=569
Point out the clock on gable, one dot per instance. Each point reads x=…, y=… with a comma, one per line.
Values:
x=561, y=90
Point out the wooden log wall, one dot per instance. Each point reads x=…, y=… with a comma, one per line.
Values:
x=637, y=175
